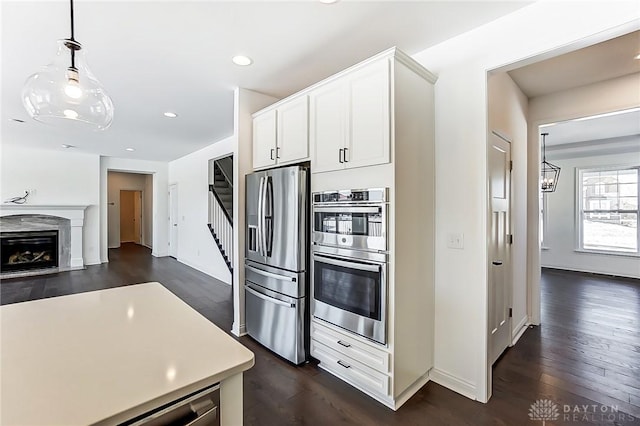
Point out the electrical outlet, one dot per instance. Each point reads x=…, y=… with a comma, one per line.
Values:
x=455, y=240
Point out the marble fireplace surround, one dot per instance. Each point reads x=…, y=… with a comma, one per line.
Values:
x=68, y=220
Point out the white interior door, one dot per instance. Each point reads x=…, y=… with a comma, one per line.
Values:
x=173, y=221
x=137, y=217
x=499, y=246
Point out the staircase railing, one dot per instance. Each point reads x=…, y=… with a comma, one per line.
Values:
x=221, y=228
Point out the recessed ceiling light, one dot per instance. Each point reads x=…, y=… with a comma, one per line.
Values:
x=170, y=114
x=637, y=56
x=129, y=149
x=64, y=145
x=242, y=60
x=17, y=120
x=328, y=1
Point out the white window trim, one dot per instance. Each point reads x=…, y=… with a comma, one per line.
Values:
x=578, y=210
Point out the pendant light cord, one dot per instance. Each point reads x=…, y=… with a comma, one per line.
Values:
x=544, y=148
x=73, y=52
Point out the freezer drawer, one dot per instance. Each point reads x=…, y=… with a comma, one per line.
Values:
x=276, y=321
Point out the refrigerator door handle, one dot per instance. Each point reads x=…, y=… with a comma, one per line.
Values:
x=260, y=229
x=263, y=216
x=268, y=299
x=270, y=274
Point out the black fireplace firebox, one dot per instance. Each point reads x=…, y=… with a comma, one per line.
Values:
x=23, y=251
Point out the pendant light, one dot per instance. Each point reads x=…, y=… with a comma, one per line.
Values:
x=550, y=173
x=66, y=91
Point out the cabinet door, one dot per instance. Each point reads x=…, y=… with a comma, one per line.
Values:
x=293, y=131
x=264, y=140
x=369, y=112
x=328, y=121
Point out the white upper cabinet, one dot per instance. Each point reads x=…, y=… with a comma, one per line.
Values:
x=328, y=120
x=368, y=141
x=264, y=140
x=281, y=135
x=350, y=120
x=293, y=131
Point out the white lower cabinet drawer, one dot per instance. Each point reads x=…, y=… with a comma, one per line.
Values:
x=342, y=343
x=350, y=370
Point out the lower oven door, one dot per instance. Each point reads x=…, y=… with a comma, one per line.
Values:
x=351, y=294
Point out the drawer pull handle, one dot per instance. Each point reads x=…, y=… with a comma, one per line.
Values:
x=346, y=345
x=345, y=365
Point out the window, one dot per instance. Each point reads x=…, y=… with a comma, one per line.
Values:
x=608, y=209
x=543, y=218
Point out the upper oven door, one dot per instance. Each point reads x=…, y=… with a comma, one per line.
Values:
x=361, y=227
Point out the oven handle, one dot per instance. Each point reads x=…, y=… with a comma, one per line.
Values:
x=347, y=264
x=345, y=209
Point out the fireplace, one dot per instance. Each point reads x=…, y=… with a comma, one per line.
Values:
x=28, y=250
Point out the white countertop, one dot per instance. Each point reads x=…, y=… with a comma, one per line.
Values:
x=105, y=356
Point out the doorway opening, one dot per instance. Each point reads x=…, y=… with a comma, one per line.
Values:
x=130, y=207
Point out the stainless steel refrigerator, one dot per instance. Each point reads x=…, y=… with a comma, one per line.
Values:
x=276, y=260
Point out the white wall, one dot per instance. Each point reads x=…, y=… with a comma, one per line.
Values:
x=607, y=96
x=196, y=246
x=246, y=102
x=117, y=182
x=160, y=227
x=61, y=176
x=561, y=232
x=461, y=64
x=508, y=116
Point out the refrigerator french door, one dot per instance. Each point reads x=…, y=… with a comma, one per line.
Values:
x=276, y=254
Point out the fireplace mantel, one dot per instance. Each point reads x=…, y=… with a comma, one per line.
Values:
x=75, y=214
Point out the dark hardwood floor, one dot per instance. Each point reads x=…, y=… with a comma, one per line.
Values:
x=586, y=353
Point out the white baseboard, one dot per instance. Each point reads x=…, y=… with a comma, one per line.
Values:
x=454, y=383
x=201, y=269
x=411, y=390
x=519, y=330
x=589, y=271
x=239, y=332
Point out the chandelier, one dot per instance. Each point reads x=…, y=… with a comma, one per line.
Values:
x=549, y=172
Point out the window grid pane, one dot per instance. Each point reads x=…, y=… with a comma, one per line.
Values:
x=607, y=196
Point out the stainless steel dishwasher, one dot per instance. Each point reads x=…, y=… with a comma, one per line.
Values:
x=198, y=409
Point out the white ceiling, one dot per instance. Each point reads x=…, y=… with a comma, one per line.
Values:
x=157, y=56
x=589, y=129
x=608, y=133
x=599, y=62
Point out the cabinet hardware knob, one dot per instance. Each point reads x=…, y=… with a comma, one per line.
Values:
x=340, y=151
x=346, y=345
x=344, y=155
x=272, y=154
x=497, y=262
x=278, y=152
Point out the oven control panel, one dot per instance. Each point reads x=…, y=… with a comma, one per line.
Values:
x=375, y=195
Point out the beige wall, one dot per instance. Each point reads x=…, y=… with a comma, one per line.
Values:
x=508, y=108
x=118, y=181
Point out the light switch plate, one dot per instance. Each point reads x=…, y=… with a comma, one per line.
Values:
x=455, y=240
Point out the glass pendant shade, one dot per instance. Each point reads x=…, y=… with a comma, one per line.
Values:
x=66, y=91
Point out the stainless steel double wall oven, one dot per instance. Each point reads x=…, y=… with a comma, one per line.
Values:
x=350, y=260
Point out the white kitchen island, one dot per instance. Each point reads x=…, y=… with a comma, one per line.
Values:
x=107, y=356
